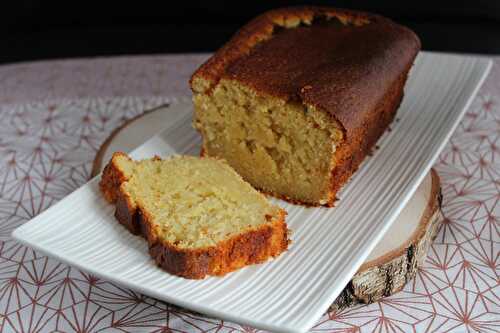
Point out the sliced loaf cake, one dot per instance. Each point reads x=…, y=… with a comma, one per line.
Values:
x=299, y=96
x=198, y=215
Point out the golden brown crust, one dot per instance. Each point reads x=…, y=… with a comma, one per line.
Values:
x=252, y=247
x=355, y=148
x=262, y=28
x=111, y=180
x=357, y=77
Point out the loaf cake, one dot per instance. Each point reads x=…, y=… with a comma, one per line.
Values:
x=198, y=215
x=299, y=96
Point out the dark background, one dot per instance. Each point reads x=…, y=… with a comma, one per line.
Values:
x=41, y=29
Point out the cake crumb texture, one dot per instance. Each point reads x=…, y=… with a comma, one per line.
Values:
x=198, y=215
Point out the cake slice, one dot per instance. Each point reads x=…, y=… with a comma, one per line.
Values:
x=198, y=215
x=299, y=96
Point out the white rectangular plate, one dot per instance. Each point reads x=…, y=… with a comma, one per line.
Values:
x=328, y=245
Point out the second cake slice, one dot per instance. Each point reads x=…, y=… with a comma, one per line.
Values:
x=199, y=217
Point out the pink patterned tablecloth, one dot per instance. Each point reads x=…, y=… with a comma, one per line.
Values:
x=53, y=117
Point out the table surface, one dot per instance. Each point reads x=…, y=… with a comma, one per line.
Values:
x=55, y=114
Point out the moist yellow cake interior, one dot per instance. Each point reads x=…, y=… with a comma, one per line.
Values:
x=279, y=147
x=195, y=202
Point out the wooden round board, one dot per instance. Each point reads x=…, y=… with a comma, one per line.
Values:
x=392, y=263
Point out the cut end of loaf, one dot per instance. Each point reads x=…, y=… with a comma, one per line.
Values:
x=199, y=217
x=282, y=148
